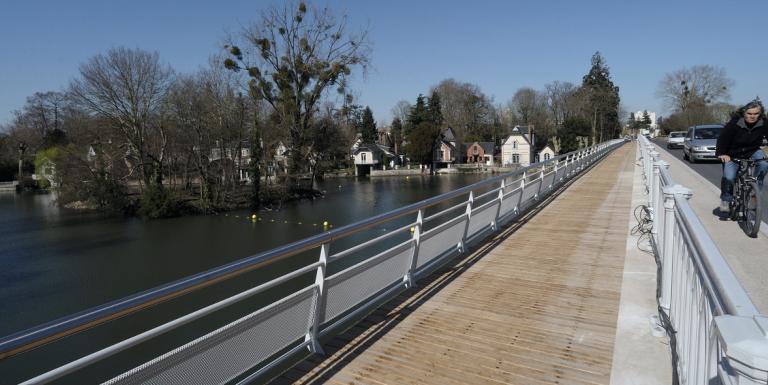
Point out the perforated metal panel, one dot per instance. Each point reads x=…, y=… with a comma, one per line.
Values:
x=231, y=350
x=547, y=182
x=357, y=283
x=510, y=201
x=482, y=218
x=441, y=239
x=530, y=190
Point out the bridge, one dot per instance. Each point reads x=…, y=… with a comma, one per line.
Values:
x=595, y=267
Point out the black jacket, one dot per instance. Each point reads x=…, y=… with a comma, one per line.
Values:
x=737, y=140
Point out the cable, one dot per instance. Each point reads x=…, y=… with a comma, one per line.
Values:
x=643, y=227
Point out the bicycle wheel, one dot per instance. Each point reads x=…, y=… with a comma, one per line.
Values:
x=752, y=209
x=735, y=207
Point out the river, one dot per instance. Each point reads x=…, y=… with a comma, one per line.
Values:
x=55, y=262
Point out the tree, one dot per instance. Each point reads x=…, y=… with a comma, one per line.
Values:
x=368, y=126
x=128, y=87
x=300, y=54
x=603, y=100
x=435, y=110
x=401, y=110
x=558, y=100
x=688, y=87
x=466, y=109
x=646, y=120
x=416, y=116
x=573, y=128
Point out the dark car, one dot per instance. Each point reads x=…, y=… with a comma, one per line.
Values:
x=700, y=142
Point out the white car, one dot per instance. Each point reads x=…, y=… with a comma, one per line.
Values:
x=675, y=139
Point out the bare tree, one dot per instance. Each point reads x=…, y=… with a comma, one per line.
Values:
x=466, y=109
x=294, y=55
x=558, y=100
x=401, y=110
x=127, y=86
x=700, y=84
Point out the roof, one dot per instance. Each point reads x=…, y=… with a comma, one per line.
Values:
x=448, y=134
x=488, y=147
x=518, y=130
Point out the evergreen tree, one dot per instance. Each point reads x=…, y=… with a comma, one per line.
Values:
x=417, y=115
x=434, y=110
x=646, y=120
x=368, y=126
x=603, y=100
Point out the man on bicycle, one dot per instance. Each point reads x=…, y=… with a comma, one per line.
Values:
x=742, y=138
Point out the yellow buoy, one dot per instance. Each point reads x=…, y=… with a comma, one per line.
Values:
x=253, y=216
x=413, y=229
x=325, y=223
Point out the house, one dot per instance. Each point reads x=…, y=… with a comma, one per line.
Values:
x=240, y=157
x=370, y=156
x=545, y=154
x=446, y=152
x=280, y=159
x=516, y=148
x=480, y=153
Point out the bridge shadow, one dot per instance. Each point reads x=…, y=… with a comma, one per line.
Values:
x=348, y=345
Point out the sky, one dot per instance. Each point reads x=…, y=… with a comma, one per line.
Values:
x=500, y=46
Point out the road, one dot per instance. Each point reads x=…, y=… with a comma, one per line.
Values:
x=711, y=171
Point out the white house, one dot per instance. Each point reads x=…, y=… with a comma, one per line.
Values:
x=546, y=153
x=370, y=156
x=516, y=148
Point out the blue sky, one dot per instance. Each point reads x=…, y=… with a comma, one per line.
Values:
x=500, y=46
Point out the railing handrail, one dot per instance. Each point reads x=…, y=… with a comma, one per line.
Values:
x=27, y=339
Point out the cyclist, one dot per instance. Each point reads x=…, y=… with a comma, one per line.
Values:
x=741, y=138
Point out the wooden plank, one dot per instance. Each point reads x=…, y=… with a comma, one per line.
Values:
x=537, y=304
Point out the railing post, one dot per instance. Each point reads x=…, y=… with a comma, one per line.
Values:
x=554, y=179
x=541, y=184
x=655, y=192
x=668, y=247
x=318, y=313
x=408, y=279
x=495, y=223
x=651, y=182
x=522, y=192
x=744, y=341
x=462, y=245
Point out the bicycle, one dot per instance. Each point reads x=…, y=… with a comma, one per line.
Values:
x=746, y=206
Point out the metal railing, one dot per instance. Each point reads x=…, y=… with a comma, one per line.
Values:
x=718, y=332
x=250, y=346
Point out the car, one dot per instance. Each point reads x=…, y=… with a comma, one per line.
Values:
x=675, y=139
x=700, y=142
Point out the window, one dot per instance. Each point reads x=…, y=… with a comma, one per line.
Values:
x=515, y=157
x=475, y=151
x=546, y=156
x=362, y=156
x=514, y=145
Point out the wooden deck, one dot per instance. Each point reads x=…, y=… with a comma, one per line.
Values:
x=537, y=304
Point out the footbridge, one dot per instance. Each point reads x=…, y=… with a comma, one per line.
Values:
x=594, y=267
